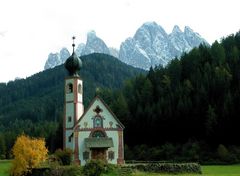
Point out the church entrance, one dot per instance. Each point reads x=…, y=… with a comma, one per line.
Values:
x=99, y=153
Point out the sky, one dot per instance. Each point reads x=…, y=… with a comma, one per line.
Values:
x=31, y=29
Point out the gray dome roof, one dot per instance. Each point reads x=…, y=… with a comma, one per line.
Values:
x=73, y=64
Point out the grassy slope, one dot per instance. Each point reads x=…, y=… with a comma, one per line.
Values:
x=4, y=167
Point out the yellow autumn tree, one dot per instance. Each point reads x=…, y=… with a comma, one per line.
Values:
x=28, y=153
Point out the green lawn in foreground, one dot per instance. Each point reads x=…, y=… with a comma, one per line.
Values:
x=229, y=170
x=4, y=167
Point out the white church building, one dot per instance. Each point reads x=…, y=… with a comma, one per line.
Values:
x=94, y=133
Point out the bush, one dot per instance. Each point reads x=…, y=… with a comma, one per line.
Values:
x=72, y=171
x=94, y=168
x=57, y=171
x=110, y=168
x=168, y=167
x=65, y=156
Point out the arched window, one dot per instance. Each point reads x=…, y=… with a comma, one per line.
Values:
x=69, y=88
x=98, y=134
x=79, y=88
x=97, y=122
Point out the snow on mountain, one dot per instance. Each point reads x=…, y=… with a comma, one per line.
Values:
x=93, y=45
x=114, y=52
x=151, y=45
x=55, y=59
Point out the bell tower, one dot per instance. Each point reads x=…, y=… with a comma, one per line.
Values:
x=73, y=102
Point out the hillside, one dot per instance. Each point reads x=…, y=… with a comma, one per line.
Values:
x=188, y=110
x=35, y=104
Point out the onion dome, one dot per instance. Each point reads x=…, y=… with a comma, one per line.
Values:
x=73, y=63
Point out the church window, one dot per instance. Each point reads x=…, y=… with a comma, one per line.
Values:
x=86, y=155
x=111, y=124
x=98, y=134
x=111, y=155
x=79, y=88
x=69, y=88
x=70, y=138
x=85, y=124
x=69, y=119
x=98, y=122
x=98, y=110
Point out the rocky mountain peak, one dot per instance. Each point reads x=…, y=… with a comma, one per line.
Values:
x=150, y=46
x=94, y=45
x=91, y=35
x=187, y=29
x=176, y=30
x=151, y=29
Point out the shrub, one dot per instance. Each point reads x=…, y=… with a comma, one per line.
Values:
x=94, y=168
x=65, y=156
x=28, y=153
x=223, y=153
x=110, y=168
x=57, y=171
x=72, y=171
x=168, y=167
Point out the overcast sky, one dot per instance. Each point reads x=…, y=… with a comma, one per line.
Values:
x=31, y=29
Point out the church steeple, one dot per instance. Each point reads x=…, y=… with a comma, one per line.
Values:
x=73, y=63
x=73, y=103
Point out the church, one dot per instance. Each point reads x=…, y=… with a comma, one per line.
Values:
x=91, y=133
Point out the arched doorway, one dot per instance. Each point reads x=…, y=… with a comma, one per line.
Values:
x=98, y=143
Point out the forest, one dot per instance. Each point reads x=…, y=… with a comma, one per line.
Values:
x=34, y=106
x=186, y=111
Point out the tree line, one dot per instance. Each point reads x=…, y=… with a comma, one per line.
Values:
x=194, y=99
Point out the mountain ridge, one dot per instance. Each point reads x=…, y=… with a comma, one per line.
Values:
x=151, y=45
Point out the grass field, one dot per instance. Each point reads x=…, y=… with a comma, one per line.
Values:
x=4, y=167
x=230, y=170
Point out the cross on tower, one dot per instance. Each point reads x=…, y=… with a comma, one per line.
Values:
x=73, y=45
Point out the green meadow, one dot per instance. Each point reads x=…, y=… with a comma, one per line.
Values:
x=4, y=167
x=215, y=170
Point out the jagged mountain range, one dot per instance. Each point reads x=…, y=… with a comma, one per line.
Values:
x=150, y=46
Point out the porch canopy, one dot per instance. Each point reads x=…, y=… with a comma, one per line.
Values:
x=101, y=142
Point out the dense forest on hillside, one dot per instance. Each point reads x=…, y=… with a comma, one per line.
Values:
x=186, y=111
x=189, y=109
x=35, y=105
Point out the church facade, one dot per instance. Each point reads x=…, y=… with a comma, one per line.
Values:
x=94, y=133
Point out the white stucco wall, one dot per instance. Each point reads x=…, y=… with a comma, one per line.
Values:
x=81, y=136
x=114, y=136
x=69, y=113
x=90, y=114
x=86, y=124
x=69, y=144
x=68, y=96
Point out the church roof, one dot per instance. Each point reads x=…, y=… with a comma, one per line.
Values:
x=73, y=63
x=107, y=107
x=102, y=142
